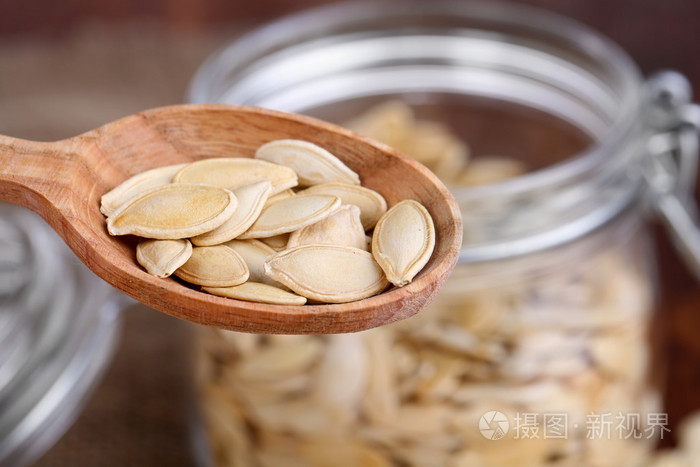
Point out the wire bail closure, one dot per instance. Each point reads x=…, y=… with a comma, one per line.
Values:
x=671, y=166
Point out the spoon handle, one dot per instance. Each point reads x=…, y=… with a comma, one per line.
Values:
x=36, y=175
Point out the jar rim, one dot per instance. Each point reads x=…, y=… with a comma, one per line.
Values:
x=601, y=155
x=318, y=19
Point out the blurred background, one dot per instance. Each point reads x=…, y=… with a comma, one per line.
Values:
x=70, y=66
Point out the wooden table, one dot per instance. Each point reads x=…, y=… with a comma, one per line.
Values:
x=85, y=63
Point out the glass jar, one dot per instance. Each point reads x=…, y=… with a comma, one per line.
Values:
x=58, y=327
x=539, y=350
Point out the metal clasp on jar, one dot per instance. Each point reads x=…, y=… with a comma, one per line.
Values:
x=672, y=166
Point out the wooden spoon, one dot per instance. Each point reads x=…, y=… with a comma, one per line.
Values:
x=63, y=182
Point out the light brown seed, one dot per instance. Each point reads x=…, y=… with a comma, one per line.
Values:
x=340, y=381
x=251, y=199
x=254, y=253
x=279, y=362
x=276, y=242
x=403, y=241
x=291, y=214
x=312, y=164
x=174, y=211
x=372, y=205
x=343, y=452
x=214, y=266
x=280, y=196
x=137, y=185
x=258, y=292
x=327, y=273
x=162, y=257
x=235, y=172
x=343, y=227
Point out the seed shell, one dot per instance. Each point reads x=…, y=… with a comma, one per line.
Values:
x=292, y=214
x=251, y=199
x=136, y=186
x=288, y=193
x=372, y=205
x=254, y=253
x=312, y=164
x=162, y=257
x=174, y=211
x=234, y=172
x=403, y=241
x=276, y=242
x=257, y=292
x=343, y=227
x=214, y=266
x=327, y=273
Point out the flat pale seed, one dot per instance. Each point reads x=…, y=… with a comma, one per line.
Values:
x=403, y=240
x=312, y=164
x=234, y=172
x=288, y=193
x=137, y=185
x=372, y=205
x=254, y=253
x=276, y=242
x=340, y=381
x=343, y=227
x=327, y=273
x=251, y=199
x=214, y=266
x=291, y=214
x=162, y=257
x=174, y=211
x=257, y=292
x=390, y=122
x=277, y=363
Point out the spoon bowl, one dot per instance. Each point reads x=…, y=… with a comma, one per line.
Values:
x=63, y=182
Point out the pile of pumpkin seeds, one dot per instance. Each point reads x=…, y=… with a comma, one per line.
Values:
x=291, y=224
x=560, y=336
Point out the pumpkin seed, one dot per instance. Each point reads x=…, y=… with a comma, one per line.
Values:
x=343, y=227
x=327, y=273
x=372, y=205
x=288, y=193
x=292, y=214
x=254, y=253
x=234, y=172
x=257, y=292
x=403, y=240
x=162, y=257
x=137, y=185
x=251, y=199
x=276, y=242
x=312, y=164
x=174, y=211
x=214, y=266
